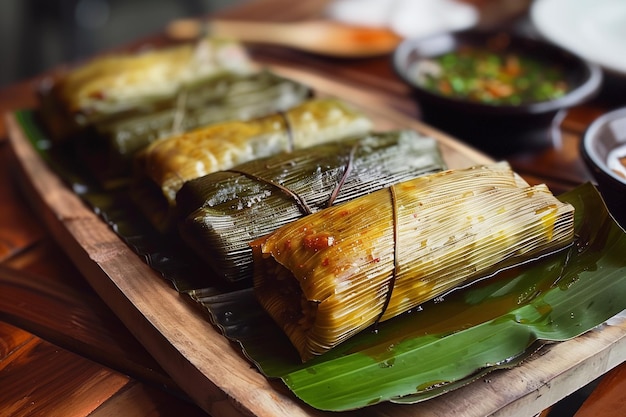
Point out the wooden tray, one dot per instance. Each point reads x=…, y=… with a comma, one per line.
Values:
x=212, y=370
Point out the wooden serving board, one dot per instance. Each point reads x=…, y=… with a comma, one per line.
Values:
x=213, y=371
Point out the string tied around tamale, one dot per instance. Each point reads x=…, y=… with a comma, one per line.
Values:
x=394, y=273
x=344, y=176
x=179, y=112
x=289, y=130
x=300, y=200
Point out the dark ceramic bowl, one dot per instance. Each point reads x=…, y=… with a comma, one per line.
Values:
x=494, y=127
x=604, y=140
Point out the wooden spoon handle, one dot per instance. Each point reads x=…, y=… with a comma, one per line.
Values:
x=319, y=36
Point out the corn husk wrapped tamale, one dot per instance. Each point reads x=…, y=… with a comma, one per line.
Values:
x=114, y=84
x=163, y=167
x=329, y=275
x=226, y=210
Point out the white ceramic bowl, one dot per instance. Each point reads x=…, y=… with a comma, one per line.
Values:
x=603, y=143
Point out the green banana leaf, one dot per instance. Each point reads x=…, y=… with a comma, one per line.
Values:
x=492, y=324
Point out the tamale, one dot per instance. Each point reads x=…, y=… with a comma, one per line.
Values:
x=228, y=97
x=226, y=210
x=116, y=83
x=327, y=276
x=163, y=167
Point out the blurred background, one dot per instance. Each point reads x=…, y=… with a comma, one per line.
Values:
x=39, y=34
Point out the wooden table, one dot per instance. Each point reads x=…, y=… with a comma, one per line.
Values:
x=62, y=350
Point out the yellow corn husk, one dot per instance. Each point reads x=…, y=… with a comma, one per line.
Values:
x=168, y=163
x=330, y=275
x=114, y=83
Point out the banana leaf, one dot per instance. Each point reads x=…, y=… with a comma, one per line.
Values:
x=222, y=212
x=494, y=323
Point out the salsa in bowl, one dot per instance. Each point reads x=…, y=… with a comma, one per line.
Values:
x=474, y=84
x=491, y=77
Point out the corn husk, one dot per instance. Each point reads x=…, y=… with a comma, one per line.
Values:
x=328, y=276
x=113, y=84
x=167, y=164
x=226, y=210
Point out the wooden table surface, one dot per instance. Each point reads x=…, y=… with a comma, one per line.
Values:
x=64, y=353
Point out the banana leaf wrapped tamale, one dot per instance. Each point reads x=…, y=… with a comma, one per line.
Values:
x=329, y=275
x=163, y=167
x=224, y=211
x=115, y=84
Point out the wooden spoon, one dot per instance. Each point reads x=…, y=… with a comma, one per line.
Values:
x=322, y=37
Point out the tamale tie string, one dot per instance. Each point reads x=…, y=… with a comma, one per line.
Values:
x=394, y=273
x=289, y=130
x=300, y=200
x=180, y=112
x=344, y=176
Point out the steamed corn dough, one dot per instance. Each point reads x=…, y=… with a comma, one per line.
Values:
x=327, y=276
x=171, y=162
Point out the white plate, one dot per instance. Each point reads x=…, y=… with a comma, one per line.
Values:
x=592, y=29
x=408, y=18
